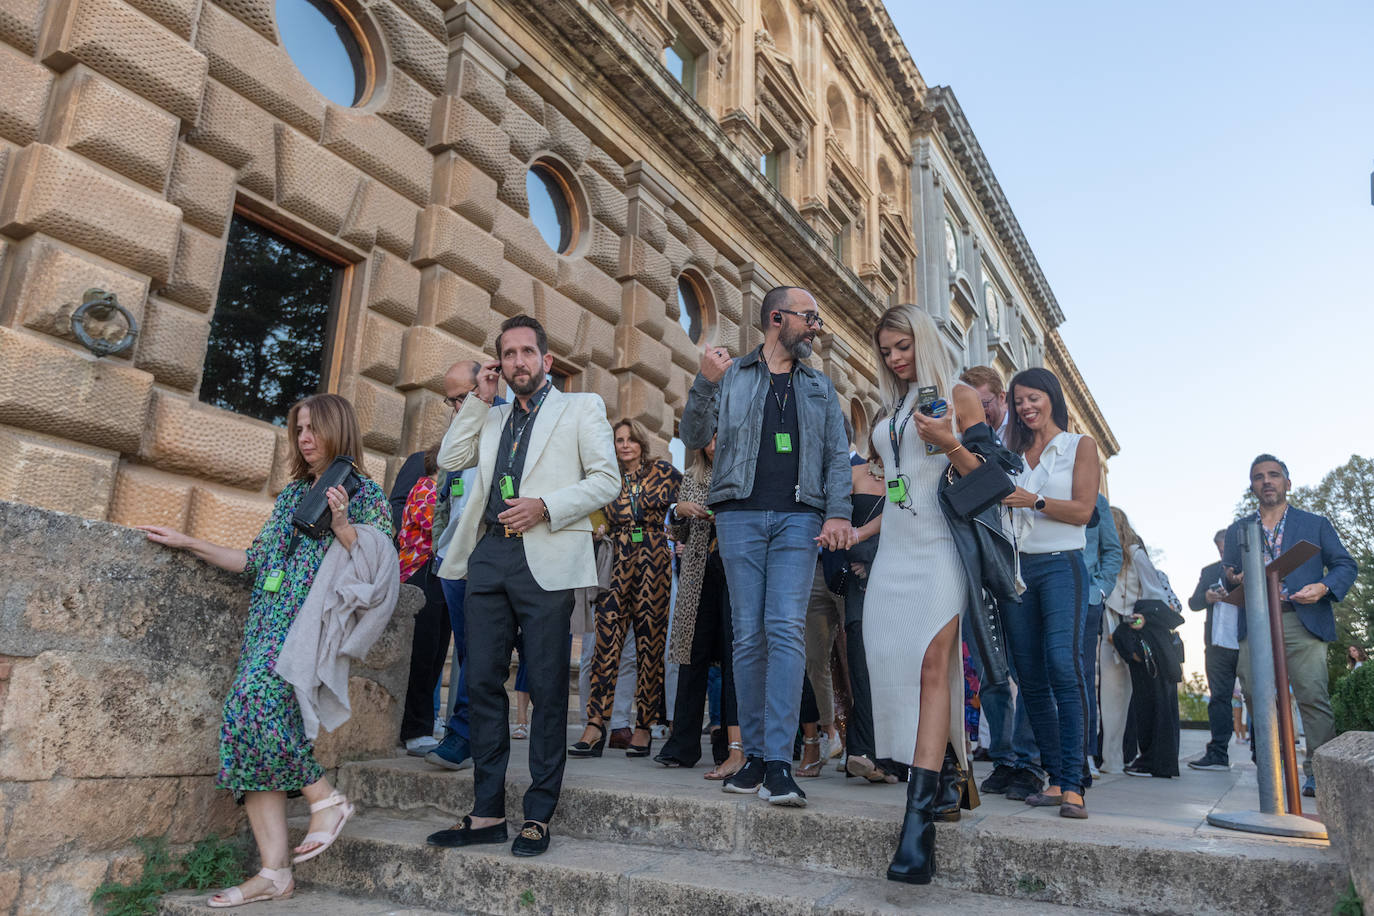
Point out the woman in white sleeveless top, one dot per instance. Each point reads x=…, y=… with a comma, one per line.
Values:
x=1054, y=500
x=917, y=589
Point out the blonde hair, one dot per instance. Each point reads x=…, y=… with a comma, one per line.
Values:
x=700, y=467
x=1124, y=531
x=638, y=434
x=336, y=432
x=933, y=365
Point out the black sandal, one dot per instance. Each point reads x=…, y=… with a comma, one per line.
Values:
x=583, y=749
x=640, y=750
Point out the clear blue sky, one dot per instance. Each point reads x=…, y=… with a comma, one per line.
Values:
x=1194, y=180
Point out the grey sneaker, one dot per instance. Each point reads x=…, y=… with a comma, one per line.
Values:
x=1210, y=761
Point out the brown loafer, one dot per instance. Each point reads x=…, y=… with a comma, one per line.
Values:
x=1069, y=809
x=621, y=737
x=1041, y=800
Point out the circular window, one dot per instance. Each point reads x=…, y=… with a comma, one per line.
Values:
x=551, y=206
x=323, y=41
x=693, y=312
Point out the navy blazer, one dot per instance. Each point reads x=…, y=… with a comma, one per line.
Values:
x=1332, y=567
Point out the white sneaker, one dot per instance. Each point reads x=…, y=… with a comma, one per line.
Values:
x=1092, y=768
x=419, y=747
x=658, y=732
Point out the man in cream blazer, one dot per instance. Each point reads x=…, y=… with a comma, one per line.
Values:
x=544, y=462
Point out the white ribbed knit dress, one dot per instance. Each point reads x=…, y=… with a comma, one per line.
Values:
x=916, y=587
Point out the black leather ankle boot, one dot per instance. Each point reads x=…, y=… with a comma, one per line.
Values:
x=914, y=861
x=951, y=790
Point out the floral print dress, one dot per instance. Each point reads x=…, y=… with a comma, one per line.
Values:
x=262, y=745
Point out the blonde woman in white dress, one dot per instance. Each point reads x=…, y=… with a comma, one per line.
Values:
x=917, y=589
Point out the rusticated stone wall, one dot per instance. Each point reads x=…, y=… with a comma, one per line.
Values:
x=115, y=656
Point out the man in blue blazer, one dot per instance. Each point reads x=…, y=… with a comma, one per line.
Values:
x=1306, y=596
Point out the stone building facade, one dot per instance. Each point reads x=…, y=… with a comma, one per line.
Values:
x=704, y=151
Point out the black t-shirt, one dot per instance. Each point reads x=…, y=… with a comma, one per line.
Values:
x=776, y=473
x=522, y=423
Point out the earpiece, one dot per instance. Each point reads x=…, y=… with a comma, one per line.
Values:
x=777, y=317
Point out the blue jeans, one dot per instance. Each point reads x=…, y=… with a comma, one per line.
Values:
x=1087, y=648
x=770, y=560
x=454, y=590
x=1013, y=743
x=1043, y=631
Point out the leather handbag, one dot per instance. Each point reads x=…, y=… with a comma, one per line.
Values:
x=968, y=496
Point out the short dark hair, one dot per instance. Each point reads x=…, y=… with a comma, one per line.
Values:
x=775, y=298
x=1220, y=535
x=541, y=340
x=1019, y=435
x=1268, y=457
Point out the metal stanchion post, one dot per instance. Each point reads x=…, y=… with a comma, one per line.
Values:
x=1272, y=818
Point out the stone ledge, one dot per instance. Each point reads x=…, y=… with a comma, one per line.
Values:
x=1344, y=769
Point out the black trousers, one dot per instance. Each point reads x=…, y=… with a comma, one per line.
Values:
x=1155, y=703
x=713, y=641
x=859, y=738
x=502, y=597
x=428, y=652
x=1221, y=682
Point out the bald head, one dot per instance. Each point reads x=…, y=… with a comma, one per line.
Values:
x=459, y=380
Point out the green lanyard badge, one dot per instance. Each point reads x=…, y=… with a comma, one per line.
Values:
x=507, y=484
x=783, y=443
x=455, y=489
x=273, y=581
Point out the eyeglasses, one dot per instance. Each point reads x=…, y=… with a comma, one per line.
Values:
x=455, y=402
x=812, y=319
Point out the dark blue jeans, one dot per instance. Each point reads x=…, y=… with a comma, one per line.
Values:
x=1043, y=632
x=453, y=596
x=1092, y=631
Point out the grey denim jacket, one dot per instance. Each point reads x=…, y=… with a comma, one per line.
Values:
x=734, y=408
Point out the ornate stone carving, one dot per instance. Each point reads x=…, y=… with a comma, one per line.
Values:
x=703, y=19
x=723, y=53
x=763, y=39
x=775, y=108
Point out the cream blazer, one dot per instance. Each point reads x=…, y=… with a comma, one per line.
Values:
x=570, y=464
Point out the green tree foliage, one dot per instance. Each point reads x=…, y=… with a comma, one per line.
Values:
x=267, y=338
x=1345, y=496
x=1353, y=700
x=1192, y=699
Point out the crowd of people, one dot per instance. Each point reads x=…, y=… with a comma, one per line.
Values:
x=955, y=588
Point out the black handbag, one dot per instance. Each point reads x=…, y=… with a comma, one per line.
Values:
x=969, y=495
x=313, y=516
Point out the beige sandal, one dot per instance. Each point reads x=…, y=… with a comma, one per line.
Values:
x=812, y=769
x=325, y=838
x=719, y=772
x=282, y=883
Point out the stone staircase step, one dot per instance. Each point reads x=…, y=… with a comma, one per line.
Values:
x=384, y=857
x=306, y=902
x=1108, y=863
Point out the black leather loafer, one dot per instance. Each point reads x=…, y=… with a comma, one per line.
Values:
x=532, y=841
x=467, y=835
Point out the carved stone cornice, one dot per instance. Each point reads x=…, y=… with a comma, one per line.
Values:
x=703, y=19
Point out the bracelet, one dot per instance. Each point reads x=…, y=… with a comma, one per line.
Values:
x=955, y=449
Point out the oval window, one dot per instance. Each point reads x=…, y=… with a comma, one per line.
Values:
x=325, y=48
x=689, y=308
x=550, y=207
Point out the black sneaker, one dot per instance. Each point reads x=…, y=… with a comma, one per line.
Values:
x=779, y=788
x=999, y=781
x=1023, y=785
x=1210, y=761
x=747, y=780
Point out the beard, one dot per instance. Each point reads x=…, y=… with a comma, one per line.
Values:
x=1270, y=498
x=799, y=346
x=530, y=386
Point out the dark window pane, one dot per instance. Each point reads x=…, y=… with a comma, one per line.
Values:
x=323, y=48
x=549, y=208
x=267, y=336
x=688, y=309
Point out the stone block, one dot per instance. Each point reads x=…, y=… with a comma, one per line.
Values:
x=101, y=403
x=643, y=309
x=458, y=126
x=678, y=254
x=313, y=183
x=143, y=496
x=467, y=189
x=599, y=342
x=609, y=169
x=393, y=287
x=727, y=269
x=370, y=731
x=527, y=136
x=603, y=249
x=64, y=888
x=282, y=456
x=648, y=224
x=515, y=293
x=676, y=224
x=598, y=380
x=480, y=88
x=566, y=139
x=172, y=344
x=374, y=465
x=411, y=48
x=258, y=70
x=112, y=127
x=207, y=443
x=641, y=354
x=20, y=21
x=456, y=305
x=428, y=14
x=177, y=15
x=606, y=201
x=380, y=150
x=443, y=237
x=52, y=191
x=258, y=15
x=511, y=188
x=381, y=414
x=230, y=519
x=55, y=474
x=686, y=355
x=25, y=98
x=408, y=107
x=521, y=94
x=118, y=41
x=642, y=400
x=382, y=218
x=676, y=392
x=561, y=318
x=726, y=297
x=380, y=353
x=427, y=419
x=203, y=187
x=1344, y=771
x=639, y=260
x=9, y=887
x=97, y=814
x=46, y=284
x=525, y=246
x=426, y=355
x=240, y=134
x=196, y=270
x=589, y=287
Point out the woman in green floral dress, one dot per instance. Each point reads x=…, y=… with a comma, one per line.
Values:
x=263, y=751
